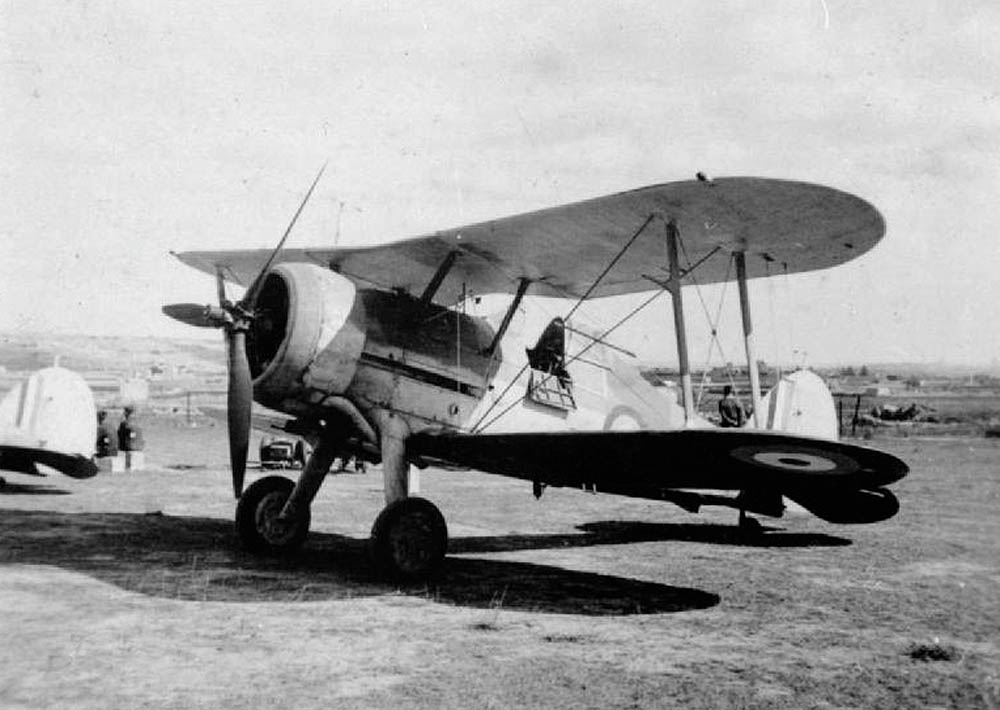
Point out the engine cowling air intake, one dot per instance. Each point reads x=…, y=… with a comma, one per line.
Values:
x=307, y=334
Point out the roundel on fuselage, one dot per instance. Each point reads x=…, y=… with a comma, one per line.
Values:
x=623, y=418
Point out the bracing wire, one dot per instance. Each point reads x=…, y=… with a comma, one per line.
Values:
x=582, y=298
x=714, y=342
x=610, y=266
x=479, y=427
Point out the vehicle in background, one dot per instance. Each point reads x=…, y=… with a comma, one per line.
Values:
x=281, y=452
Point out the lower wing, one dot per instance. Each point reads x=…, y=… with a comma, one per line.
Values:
x=837, y=482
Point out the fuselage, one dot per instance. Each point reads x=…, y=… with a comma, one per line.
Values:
x=319, y=339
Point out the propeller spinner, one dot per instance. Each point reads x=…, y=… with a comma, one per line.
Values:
x=235, y=319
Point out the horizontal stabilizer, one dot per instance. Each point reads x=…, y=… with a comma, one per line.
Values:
x=24, y=460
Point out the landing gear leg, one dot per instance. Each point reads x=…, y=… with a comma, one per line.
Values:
x=765, y=502
x=409, y=538
x=272, y=516
x=310, y=480
x=395, y=467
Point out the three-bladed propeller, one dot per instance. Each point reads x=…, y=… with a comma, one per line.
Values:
x=235, y=319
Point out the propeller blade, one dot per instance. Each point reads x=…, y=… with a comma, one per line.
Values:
x=191, y=314
x=250, y=297
x=239, y=402
x=220, y=286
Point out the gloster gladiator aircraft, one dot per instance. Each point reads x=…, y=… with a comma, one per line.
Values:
x=367, y=351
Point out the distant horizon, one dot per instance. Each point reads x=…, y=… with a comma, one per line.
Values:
x=966, y=368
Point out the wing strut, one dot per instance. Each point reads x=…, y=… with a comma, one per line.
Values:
x=674, y=287
x=522, y=286
x=748, y=339
x=435, y=283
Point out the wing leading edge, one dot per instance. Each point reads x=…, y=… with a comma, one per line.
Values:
x=783, y=226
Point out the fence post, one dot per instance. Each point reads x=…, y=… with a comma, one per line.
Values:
x=857, y=410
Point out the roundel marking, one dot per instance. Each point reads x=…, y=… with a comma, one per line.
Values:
x=623, y=418
x=797, y=459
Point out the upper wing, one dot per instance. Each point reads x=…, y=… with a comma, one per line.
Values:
x=829, y=478
x=782, y=225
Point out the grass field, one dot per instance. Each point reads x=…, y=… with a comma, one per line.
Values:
x=128, y=591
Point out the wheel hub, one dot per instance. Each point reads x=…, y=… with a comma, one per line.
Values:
x=271, y=526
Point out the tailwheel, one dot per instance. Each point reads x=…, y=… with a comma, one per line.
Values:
x=260, y=529
x=409, y=539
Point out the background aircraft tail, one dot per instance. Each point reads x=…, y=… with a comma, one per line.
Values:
x=800, y=403
x=49, y=419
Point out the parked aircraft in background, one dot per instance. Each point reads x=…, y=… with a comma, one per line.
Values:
x=49, y=420
x=368, y=350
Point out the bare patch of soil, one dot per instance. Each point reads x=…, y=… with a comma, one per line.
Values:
x=129, y=591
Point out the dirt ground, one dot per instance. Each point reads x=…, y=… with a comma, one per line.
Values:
x=128, y=591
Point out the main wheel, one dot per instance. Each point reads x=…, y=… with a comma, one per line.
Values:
x=257, y=522
x=409, y=539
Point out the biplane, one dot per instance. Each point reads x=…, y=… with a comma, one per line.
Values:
x=49, y=419
x=372, y=353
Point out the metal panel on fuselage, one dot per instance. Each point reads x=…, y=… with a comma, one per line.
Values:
x=422, y=361
x=608, y=391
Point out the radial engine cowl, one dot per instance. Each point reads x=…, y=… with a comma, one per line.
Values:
x=307, y=335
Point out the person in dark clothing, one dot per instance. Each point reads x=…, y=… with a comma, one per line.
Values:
x=131, y=442
x=130, y=433
x=730, y=410
x=549, y=354
x=107, y=439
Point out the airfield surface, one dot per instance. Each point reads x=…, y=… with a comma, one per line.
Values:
x=128, y=591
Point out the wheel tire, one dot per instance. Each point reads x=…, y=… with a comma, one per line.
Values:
x=256, y=515
x=409, y=540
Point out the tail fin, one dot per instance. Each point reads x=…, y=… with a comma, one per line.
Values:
x=49, y=419
x=800, y=403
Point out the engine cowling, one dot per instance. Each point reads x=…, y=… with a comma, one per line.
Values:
x=306, y=337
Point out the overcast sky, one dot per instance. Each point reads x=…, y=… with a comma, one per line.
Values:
x=127, y=130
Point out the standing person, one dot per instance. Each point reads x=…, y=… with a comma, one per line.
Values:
x=130, y=441
x=107, y=439
x=730, y=410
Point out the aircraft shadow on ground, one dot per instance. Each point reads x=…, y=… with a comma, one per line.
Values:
x=35, y=489
x=198, y=559
x=620, y=532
